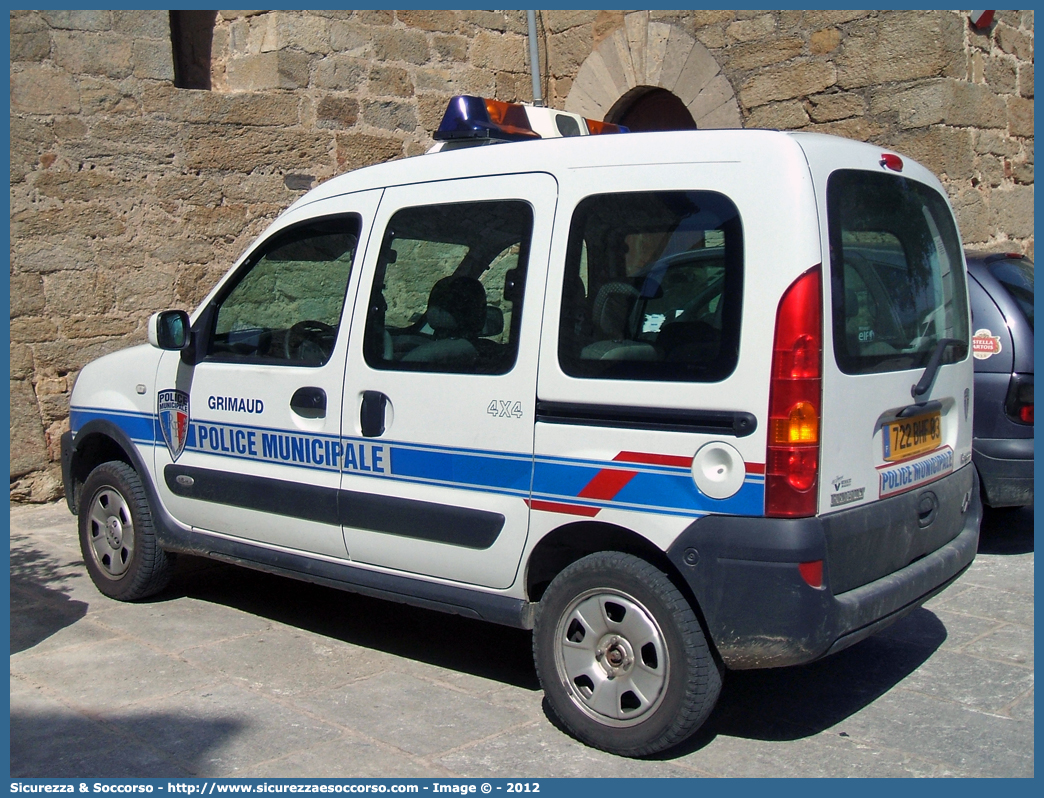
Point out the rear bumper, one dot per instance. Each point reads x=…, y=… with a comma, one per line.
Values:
x=759, y=611
x=1005, y=466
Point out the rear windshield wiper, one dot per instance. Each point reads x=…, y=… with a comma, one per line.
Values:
x=923, y=384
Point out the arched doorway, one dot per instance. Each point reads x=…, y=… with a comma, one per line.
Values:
x=645, y=55
x=649, y=108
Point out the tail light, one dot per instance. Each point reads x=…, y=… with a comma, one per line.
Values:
x=795, y=399
x=1019, y=402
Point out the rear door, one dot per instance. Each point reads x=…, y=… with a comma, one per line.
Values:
x=441, y=379
x=898, y=307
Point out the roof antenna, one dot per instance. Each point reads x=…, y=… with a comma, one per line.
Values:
x=534, y=59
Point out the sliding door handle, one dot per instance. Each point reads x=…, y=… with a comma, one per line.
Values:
x=371, y=416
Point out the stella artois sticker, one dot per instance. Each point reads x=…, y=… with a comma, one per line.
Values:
x=985, y=344
x=173, y=407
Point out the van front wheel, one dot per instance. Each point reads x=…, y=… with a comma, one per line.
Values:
x=117, y=536
x=622, y=657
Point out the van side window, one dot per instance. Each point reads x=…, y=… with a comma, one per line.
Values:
x=284, y=306
x=896, y=277
x=653, y=287
x=447, y=296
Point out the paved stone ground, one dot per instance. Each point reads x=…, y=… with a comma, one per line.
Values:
x=235, y=673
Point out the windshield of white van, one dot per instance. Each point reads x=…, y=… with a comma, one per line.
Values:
x=897, y=277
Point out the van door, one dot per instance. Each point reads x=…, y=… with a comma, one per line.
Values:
x=253, y=427
x=441, y=380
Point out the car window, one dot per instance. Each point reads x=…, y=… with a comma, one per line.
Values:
x=896, y=273
x=284, y=306
x=1017, y=277
x=653, y=284
x=447, y=295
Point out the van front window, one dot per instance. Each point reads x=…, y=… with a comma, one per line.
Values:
x=897, y=278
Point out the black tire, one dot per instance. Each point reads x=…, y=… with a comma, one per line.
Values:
x=117, y=536
x=622, y=657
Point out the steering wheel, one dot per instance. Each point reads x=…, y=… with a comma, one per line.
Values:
x=309, y=341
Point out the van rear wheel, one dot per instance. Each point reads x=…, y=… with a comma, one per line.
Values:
x=622, y=657
x=117, y=535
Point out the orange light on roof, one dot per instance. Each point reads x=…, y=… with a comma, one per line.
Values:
x=509, y=117
x=595, y=127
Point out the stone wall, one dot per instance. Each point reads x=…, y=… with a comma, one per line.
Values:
x=129, y=195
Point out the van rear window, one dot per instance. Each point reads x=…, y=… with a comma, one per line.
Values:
x=897, y=278
x=653, y=284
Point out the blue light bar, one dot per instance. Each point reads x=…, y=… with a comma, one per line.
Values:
x=469, y=117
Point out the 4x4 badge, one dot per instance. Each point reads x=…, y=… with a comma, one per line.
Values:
x=173, y=407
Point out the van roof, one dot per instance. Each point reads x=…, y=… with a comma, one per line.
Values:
x=558, y=156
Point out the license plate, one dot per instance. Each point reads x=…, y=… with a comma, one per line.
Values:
x=909, y=437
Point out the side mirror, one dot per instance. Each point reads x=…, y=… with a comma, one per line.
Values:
x=169, y=329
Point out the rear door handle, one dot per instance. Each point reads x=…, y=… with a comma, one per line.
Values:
x=309, y=402
x=371, y=416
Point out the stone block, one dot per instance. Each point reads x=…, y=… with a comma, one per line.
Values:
x=1026, y=80
x=831, y=107
x=1011, y=211
x=616, y=53
x=28, y=449
x=567, y=51
x=106, y=97
x=824, y=41
x=152, y=60
x=726, y=116
x=636, y=29
x=99, y=326
x=82, y=220
x=952, y=102
x=80, y=186
x=675, y=56
x=715, y=94
x=358, y=149
x=747, y=30
x=945, y=151
x=68, y=356
x=40, y=89
x=27, y=22
x=448, y=82
x=857, y=128
x=992, y=171
x=78, y=20
x=699, y=70
x=216, y=221
x=389, y=81
x=34, y=46
x=500, y=52
x=502, y=21
x=27, y=294
x=32, y=329
x=21, y=362
x=657, y=37
x=274, y=70
x=995, y=142
x=75, y=293
x=341, y=73
x=786, y=83
x=410, y=46
x=1022, y=172
x=899, y=46
x=144, y=291
x=79, y=53
x=1001, y=75
x=701, y=19
x=593, y=92
x=389, y=115
x=336, y=112
x=755, y=55
x=208, y=107
x=442, y=21
x=1020, y=117
x=1015, y=42
x=559, y=20
x=822, y=19
x=778, y=116
x=300, y=30
x=142, y=24
x=450, y=48
x=604, y=25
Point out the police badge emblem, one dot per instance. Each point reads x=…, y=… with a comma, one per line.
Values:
x=173, y=406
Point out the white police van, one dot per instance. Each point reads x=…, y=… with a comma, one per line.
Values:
x=678, y=402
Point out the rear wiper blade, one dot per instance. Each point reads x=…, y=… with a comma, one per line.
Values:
x=925, y=383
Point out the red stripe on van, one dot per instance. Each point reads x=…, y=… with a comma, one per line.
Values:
x=755, y=468
x=567, y=509
x=606, y=484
